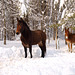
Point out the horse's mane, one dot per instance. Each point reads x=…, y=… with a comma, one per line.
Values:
x=24, y=23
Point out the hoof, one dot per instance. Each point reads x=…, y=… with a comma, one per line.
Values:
x=31, y=56
x=25, y=56
x=43, y=56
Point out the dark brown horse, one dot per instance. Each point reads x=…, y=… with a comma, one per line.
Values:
x=30, y=38
x=70, y=38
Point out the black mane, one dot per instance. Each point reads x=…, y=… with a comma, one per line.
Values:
x=24, y=23
x=26, y=32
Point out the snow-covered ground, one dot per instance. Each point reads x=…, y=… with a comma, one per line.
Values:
x=56, y=61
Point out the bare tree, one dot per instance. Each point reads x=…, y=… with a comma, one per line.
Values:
x=9, y=9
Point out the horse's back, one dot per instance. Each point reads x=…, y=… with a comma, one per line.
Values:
x=72, y=37
x=38, y=36
x=40, y=33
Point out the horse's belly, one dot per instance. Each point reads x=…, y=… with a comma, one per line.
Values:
x=25, y=45
x=40, y=43
x=70, y=41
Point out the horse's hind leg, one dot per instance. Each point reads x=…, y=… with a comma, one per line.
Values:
x=30, y=49
x=42, y=54
x=43, y=49
x=25, y=49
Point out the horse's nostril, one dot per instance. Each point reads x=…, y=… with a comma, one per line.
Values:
x=17, y=33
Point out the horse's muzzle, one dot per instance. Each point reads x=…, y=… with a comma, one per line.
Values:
x=17, y=33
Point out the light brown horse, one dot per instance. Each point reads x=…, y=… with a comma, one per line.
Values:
x=30, y=38
x=70, y=39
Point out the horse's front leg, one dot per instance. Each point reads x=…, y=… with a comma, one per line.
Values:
x=25, y=49
x=71, y=47
x=68, y=46
x=30, y=49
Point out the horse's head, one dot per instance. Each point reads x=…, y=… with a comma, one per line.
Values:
x=19, y=26
x=66, y=33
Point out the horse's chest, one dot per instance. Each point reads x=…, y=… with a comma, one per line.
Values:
x=70, y=40
x=24, y=43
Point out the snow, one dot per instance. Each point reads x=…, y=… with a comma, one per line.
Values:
x=63, y=14
x=56, y=61
x=61, y=2
x=23, y=8
x=63, y=27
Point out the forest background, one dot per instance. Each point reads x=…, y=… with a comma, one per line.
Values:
x=51, y=16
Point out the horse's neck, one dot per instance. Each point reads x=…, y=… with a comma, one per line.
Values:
x=26, y=33
x=69, y=34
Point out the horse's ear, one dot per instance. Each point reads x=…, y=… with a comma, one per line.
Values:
x=65, y=28
x=17, y=19
x=68, y=28
x=21, y=19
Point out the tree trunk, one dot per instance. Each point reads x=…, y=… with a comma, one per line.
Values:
x=4, y=22
x=54, y=33
x=4, y=33
x=33, y=25
x=56, y=36
x=13, y=26
x=4, y=30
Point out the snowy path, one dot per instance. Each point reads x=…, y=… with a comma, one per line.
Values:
x=56, y=62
